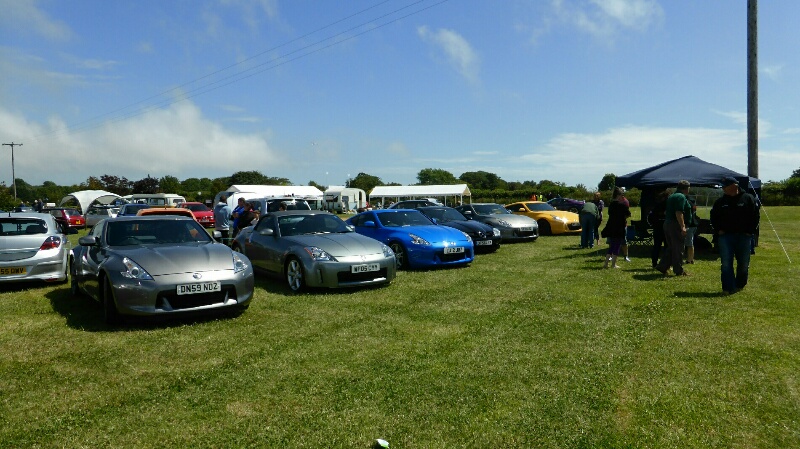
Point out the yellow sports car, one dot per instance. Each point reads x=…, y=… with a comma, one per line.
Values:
x=551, y=221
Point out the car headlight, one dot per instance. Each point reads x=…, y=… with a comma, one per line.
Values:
x=238, y=262
x=495, y=232
x=503, y=223
x=466, y=235
x=417, y=240
x=557, y=218
x=134, y=270
x=318, y=253
x=387, y=252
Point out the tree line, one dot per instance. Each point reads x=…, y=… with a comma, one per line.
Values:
x=483, y=185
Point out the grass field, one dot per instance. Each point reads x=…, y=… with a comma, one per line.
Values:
x=533, y=346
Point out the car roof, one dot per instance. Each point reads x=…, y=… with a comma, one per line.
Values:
x=299, y=212
x=149, y=217
x=166, y=211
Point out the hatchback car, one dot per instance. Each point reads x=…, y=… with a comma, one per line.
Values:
x=32, y=248
x=202, y=213
x=158, y=265
x=68, y=217
x=412, y=204
x=131, y=209
x=551, y=221
x=512, y=227
x=95, y=214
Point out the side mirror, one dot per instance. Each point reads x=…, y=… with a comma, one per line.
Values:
x=266, y=231
x=369, y=224
x=217, y=235
x=435, y=221
x=88, y=240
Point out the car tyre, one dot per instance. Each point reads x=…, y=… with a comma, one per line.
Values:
x=110, y=312
x=399, y=254
x=294, y=274
x=544, y=227
x=74, y=289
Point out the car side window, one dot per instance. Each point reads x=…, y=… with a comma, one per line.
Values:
x=514, y=208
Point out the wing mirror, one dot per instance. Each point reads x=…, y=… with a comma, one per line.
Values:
x=266, y=231
x=88, y=240
x=369, y=224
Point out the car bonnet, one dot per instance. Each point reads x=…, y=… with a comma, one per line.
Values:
x=173, y=259
x=340, y=244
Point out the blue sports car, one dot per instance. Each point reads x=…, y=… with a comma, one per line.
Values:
x=416, y=241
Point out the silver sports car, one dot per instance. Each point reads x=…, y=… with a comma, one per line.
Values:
x=315, y=249
x=32, y=248
x=158, y=265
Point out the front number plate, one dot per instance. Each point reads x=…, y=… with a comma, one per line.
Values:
x=200, y=287
x=526, y=229
x=364, y=268
x=483, y=242
x=11, y=271
x=454, y=250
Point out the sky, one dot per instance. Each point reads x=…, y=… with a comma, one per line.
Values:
x=310, y=90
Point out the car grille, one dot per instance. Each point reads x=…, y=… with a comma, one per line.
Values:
x=346, y=277
x=519, y=233
x=574, y=226
x=178, y=302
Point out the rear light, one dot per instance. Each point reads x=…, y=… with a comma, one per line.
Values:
x=52, y=242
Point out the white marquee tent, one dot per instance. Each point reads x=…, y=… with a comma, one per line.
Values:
x=435, y=191
x=86, y=197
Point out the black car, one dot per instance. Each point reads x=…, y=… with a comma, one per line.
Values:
x=485, y=238
x=412, y=204
x=131, y=209
x=567, y=204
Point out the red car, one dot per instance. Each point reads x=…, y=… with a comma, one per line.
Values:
x=202, y=213
x=69, y=218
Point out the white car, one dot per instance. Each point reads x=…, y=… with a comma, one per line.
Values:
x=33, y=247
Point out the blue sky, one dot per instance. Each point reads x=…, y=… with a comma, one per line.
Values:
x=564, y=90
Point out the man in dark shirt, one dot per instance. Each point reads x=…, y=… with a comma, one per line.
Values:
x=735, y=218
x=678, y=209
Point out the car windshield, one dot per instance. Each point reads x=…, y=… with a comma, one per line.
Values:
x=158, y=232
x=443, y=214
x=133, y=208
x=311, y=224
x=539, y=207
x=22, y=226
x=293, y=204
x=197, y=207
x=490, y=209
x=404, y=218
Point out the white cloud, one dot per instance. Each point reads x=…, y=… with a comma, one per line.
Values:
x=772, y=71
x=603, y=19
x=177, y=141
x=456, y=49
x=22, y=16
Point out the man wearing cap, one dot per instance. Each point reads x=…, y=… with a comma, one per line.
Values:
x=675, y=220
x=735, y=218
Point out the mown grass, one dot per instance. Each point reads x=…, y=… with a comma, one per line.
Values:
x=533, y=346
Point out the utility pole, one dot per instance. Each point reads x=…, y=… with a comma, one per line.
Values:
x=13, y=175
x=752, y=88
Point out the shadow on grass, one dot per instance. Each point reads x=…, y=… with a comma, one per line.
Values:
x=86, y=314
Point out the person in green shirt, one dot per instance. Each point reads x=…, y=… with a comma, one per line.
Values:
x=679, y=209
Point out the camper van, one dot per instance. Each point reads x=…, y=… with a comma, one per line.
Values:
x=342, y=199
x=311, y=194
x=155, y=199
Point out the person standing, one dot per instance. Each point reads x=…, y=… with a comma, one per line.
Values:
x=656, y=219
x=735, y=218
x=618, y=213
x=589, y=217
x=691, y=230
x=676, y=216
x=222, y=218
x=624, y=246
x=600, y=206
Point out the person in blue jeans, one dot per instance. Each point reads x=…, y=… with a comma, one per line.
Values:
x=735, y=218
x=588, y=217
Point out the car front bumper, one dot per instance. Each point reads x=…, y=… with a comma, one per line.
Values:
x=339, y=274
x=159, y=296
